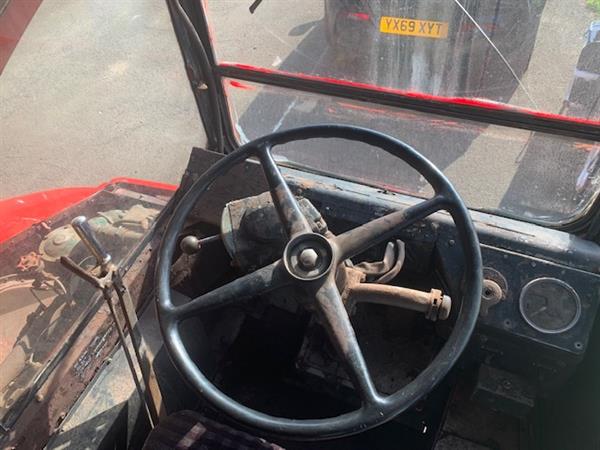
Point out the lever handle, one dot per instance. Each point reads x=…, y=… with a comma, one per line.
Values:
x=69, y=264
x=83, y=230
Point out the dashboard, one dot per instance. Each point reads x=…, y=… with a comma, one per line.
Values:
x=541, y=286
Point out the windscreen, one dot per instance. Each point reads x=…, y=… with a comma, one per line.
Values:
x=96, y=119
x=542, y=55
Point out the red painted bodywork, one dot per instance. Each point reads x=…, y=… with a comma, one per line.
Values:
x=20, y=213
x=475, y=102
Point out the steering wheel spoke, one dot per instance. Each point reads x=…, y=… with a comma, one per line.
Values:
x=309, y=262
x=343, y=338
x=359, y=239
x=287, y=206
x=246, y=287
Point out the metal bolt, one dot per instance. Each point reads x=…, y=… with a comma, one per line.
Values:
x=59, y=239
x=308, y=258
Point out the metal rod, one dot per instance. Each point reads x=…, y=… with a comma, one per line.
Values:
x=110, y=279
x=83, y=230
x=153, y=394
x=123, y=340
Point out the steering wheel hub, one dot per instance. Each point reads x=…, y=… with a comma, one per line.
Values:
x=308, y=257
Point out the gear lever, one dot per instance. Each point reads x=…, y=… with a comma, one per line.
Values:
x=87, y=236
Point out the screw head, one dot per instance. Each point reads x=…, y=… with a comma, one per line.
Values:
x=308, y=258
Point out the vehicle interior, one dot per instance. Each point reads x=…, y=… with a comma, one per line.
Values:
x=321, y=278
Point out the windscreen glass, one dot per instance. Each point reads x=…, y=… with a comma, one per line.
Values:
x=96, y=119
x=508, y=52
x=504, y=170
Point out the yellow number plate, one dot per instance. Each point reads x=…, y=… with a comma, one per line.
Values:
x=414, y=27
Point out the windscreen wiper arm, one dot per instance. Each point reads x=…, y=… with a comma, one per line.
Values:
x=255, y=4
x=497, y=50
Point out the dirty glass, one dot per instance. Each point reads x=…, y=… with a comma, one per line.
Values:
x=469, y=153
x=42, y=304
x=542, y=55
x=89, y=91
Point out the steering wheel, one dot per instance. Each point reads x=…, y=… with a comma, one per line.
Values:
x=309, y=263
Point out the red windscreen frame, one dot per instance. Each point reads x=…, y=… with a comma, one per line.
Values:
x=412, y=95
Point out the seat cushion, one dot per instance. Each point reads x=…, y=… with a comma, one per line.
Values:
x=189, y=430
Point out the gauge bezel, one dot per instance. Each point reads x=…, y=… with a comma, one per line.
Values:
x=568, y=287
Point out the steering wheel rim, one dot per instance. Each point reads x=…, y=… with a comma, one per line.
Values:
x=375, y=409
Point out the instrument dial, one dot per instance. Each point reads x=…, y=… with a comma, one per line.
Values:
x=550, y=305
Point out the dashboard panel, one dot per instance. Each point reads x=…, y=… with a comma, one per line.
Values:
x=546, y=302
x=549, y=281
x=515, y=254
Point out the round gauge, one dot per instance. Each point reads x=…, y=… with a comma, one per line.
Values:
x=550, y=305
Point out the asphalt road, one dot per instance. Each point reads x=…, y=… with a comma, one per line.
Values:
x=97, y=89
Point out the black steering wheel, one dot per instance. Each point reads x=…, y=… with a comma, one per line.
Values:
x=309, y=262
